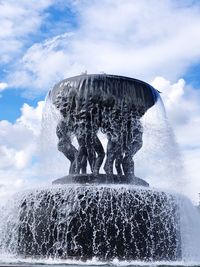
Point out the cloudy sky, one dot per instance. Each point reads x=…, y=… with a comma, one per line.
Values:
x=45, y=41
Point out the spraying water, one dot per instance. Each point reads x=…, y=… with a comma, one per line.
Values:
x=120, y=222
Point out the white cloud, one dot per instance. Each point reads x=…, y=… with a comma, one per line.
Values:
x=31, y=117
x=3, y=86
x=19, y=19
x=45, y=64
x=136, y=39
x=18, y=145
x=29, y=156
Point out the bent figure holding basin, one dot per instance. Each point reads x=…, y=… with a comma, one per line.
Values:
x=110, y=104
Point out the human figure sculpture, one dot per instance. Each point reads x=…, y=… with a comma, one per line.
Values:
x=124, y=140
x=110, y=104
x=65, y=145
x=90, y=149
x=132, y=146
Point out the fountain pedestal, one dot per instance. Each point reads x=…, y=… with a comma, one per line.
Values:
x=102, y=221
x=100, y=179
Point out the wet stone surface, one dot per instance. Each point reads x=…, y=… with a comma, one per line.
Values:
x=100, y=179
x=82, y=222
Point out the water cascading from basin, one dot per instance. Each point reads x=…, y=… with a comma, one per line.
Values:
x=105, y=222
x=32, y=203
x=159, y=153
x=90, y=213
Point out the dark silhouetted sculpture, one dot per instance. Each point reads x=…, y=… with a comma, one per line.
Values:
x=112, y=105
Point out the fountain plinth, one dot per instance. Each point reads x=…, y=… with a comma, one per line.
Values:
x=106, y=222
x=99, y=179
x=94, y=214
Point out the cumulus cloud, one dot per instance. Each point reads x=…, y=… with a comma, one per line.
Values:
x=45, y=63
x=18, y=145
x=18, y=20
x=136, y=39
x=3, y=86
x=31, y=117
x=28, y=150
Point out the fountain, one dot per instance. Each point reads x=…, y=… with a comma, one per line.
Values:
x=100, y=209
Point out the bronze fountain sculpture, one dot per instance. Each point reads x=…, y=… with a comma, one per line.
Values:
x=112, y=105
x=90, y=213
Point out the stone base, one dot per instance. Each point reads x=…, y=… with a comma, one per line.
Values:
x=100, y=179
x=106, y=222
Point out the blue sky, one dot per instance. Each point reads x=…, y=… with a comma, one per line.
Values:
x=57, y=18
x=45, y=41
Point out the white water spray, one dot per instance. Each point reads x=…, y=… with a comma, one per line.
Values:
x=158, y=162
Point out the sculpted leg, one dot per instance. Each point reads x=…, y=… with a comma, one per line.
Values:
x=128, y=165
x=70, y=153
x=118, y=162
x=134, y=143
x=81, y=160
x=91, y=155
x=91, y=158
x=82, y=155
x=65, y=146
x=110, y=155
x=100, y=153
